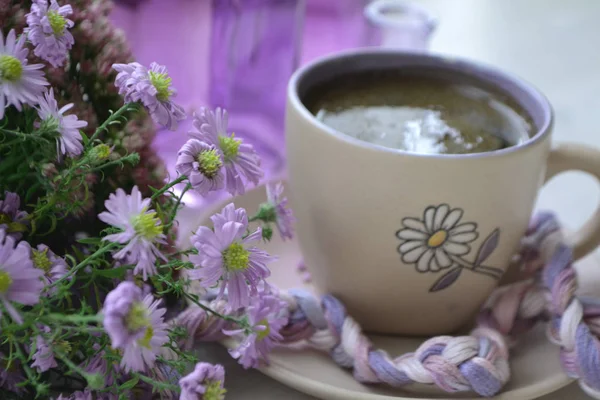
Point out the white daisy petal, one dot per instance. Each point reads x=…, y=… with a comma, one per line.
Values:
x=457, y=249
x=433, y=264
x=410, y=245
x=440, y=215
x=409, y=234
x=462, y=228
x=415, y=224
x=452, y=218
x=423, y=263
x=442, y=258
x=467, y=237
x=428, y=218
x=413, y=255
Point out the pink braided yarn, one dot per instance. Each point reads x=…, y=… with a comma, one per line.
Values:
x=478, y=362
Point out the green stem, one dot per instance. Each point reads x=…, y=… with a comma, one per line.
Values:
x=157, y=384
x=132, y=158
x=215, y=313
x=180, y=179
x=113, y=117
x=85, y=262
x=176, y=207
x=25, y=364
x=84, y=319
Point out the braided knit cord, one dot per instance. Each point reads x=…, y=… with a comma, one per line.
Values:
x=478, y=362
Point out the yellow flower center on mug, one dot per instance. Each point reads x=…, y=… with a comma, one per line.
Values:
x=437, y=239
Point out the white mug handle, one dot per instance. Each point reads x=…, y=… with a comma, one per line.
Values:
x=576, y=157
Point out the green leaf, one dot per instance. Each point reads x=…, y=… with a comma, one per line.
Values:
x=130, y=384
x=94, y=240
x=112, y=272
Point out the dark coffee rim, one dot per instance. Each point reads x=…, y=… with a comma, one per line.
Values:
x=526, y=95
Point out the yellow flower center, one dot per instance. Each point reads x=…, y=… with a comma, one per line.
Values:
x=236, y=257
x=147, y=225
x=137, y=317
x=63, y=346
x=100, y=152
x=144, y=341
x=41, y=260
x=437, y=239
x=210, y=163
x=213, y=391
x=264, y=333
x=11, y=68
x=5, y=282
x=57, y=22
x=230, y=146
x=162, y=83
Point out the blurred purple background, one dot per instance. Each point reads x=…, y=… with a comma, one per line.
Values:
x=240, y=54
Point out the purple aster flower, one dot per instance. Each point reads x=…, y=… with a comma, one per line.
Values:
x=12, y=220
x=135, y=326
x=69, y=141
x=266, y=315
x=202, y=164
x=279, y=211
x=53, y=266
x=20, y=281
x=43, y=358
x=225, y=254
x=48, y=31
x=205, y=382
x=141, y=230
x=151, y=87
x=19, y=83
x=239, y=158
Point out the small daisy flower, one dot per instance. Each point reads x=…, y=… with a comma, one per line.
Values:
x=239, y=158
x=20, y=281
x=20, y=83
x=141, y=230
x=53, y=266
x=68, y=126
x=276, y=210
x=12, y=220
x=267, y=316
x=135, y=325
x=43, y=358
x=225, y=254
x=48, y=31
x=205, y=382
x=202, y=164
x=98, y=364
x=153, y=89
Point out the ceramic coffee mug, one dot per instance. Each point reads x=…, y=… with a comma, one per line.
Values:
x=415, y=243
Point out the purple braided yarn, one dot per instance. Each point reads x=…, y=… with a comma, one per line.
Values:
x=478, y=362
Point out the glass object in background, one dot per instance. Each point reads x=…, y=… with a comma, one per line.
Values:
x=398, y=24
x=255, y=47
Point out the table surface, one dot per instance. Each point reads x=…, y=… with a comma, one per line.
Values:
x=543, y=41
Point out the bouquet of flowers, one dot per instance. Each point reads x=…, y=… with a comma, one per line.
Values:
x=96, y=302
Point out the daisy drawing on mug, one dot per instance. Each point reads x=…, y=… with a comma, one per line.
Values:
x=440, y=240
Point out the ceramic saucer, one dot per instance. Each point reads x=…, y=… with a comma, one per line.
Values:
x=534, y=361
